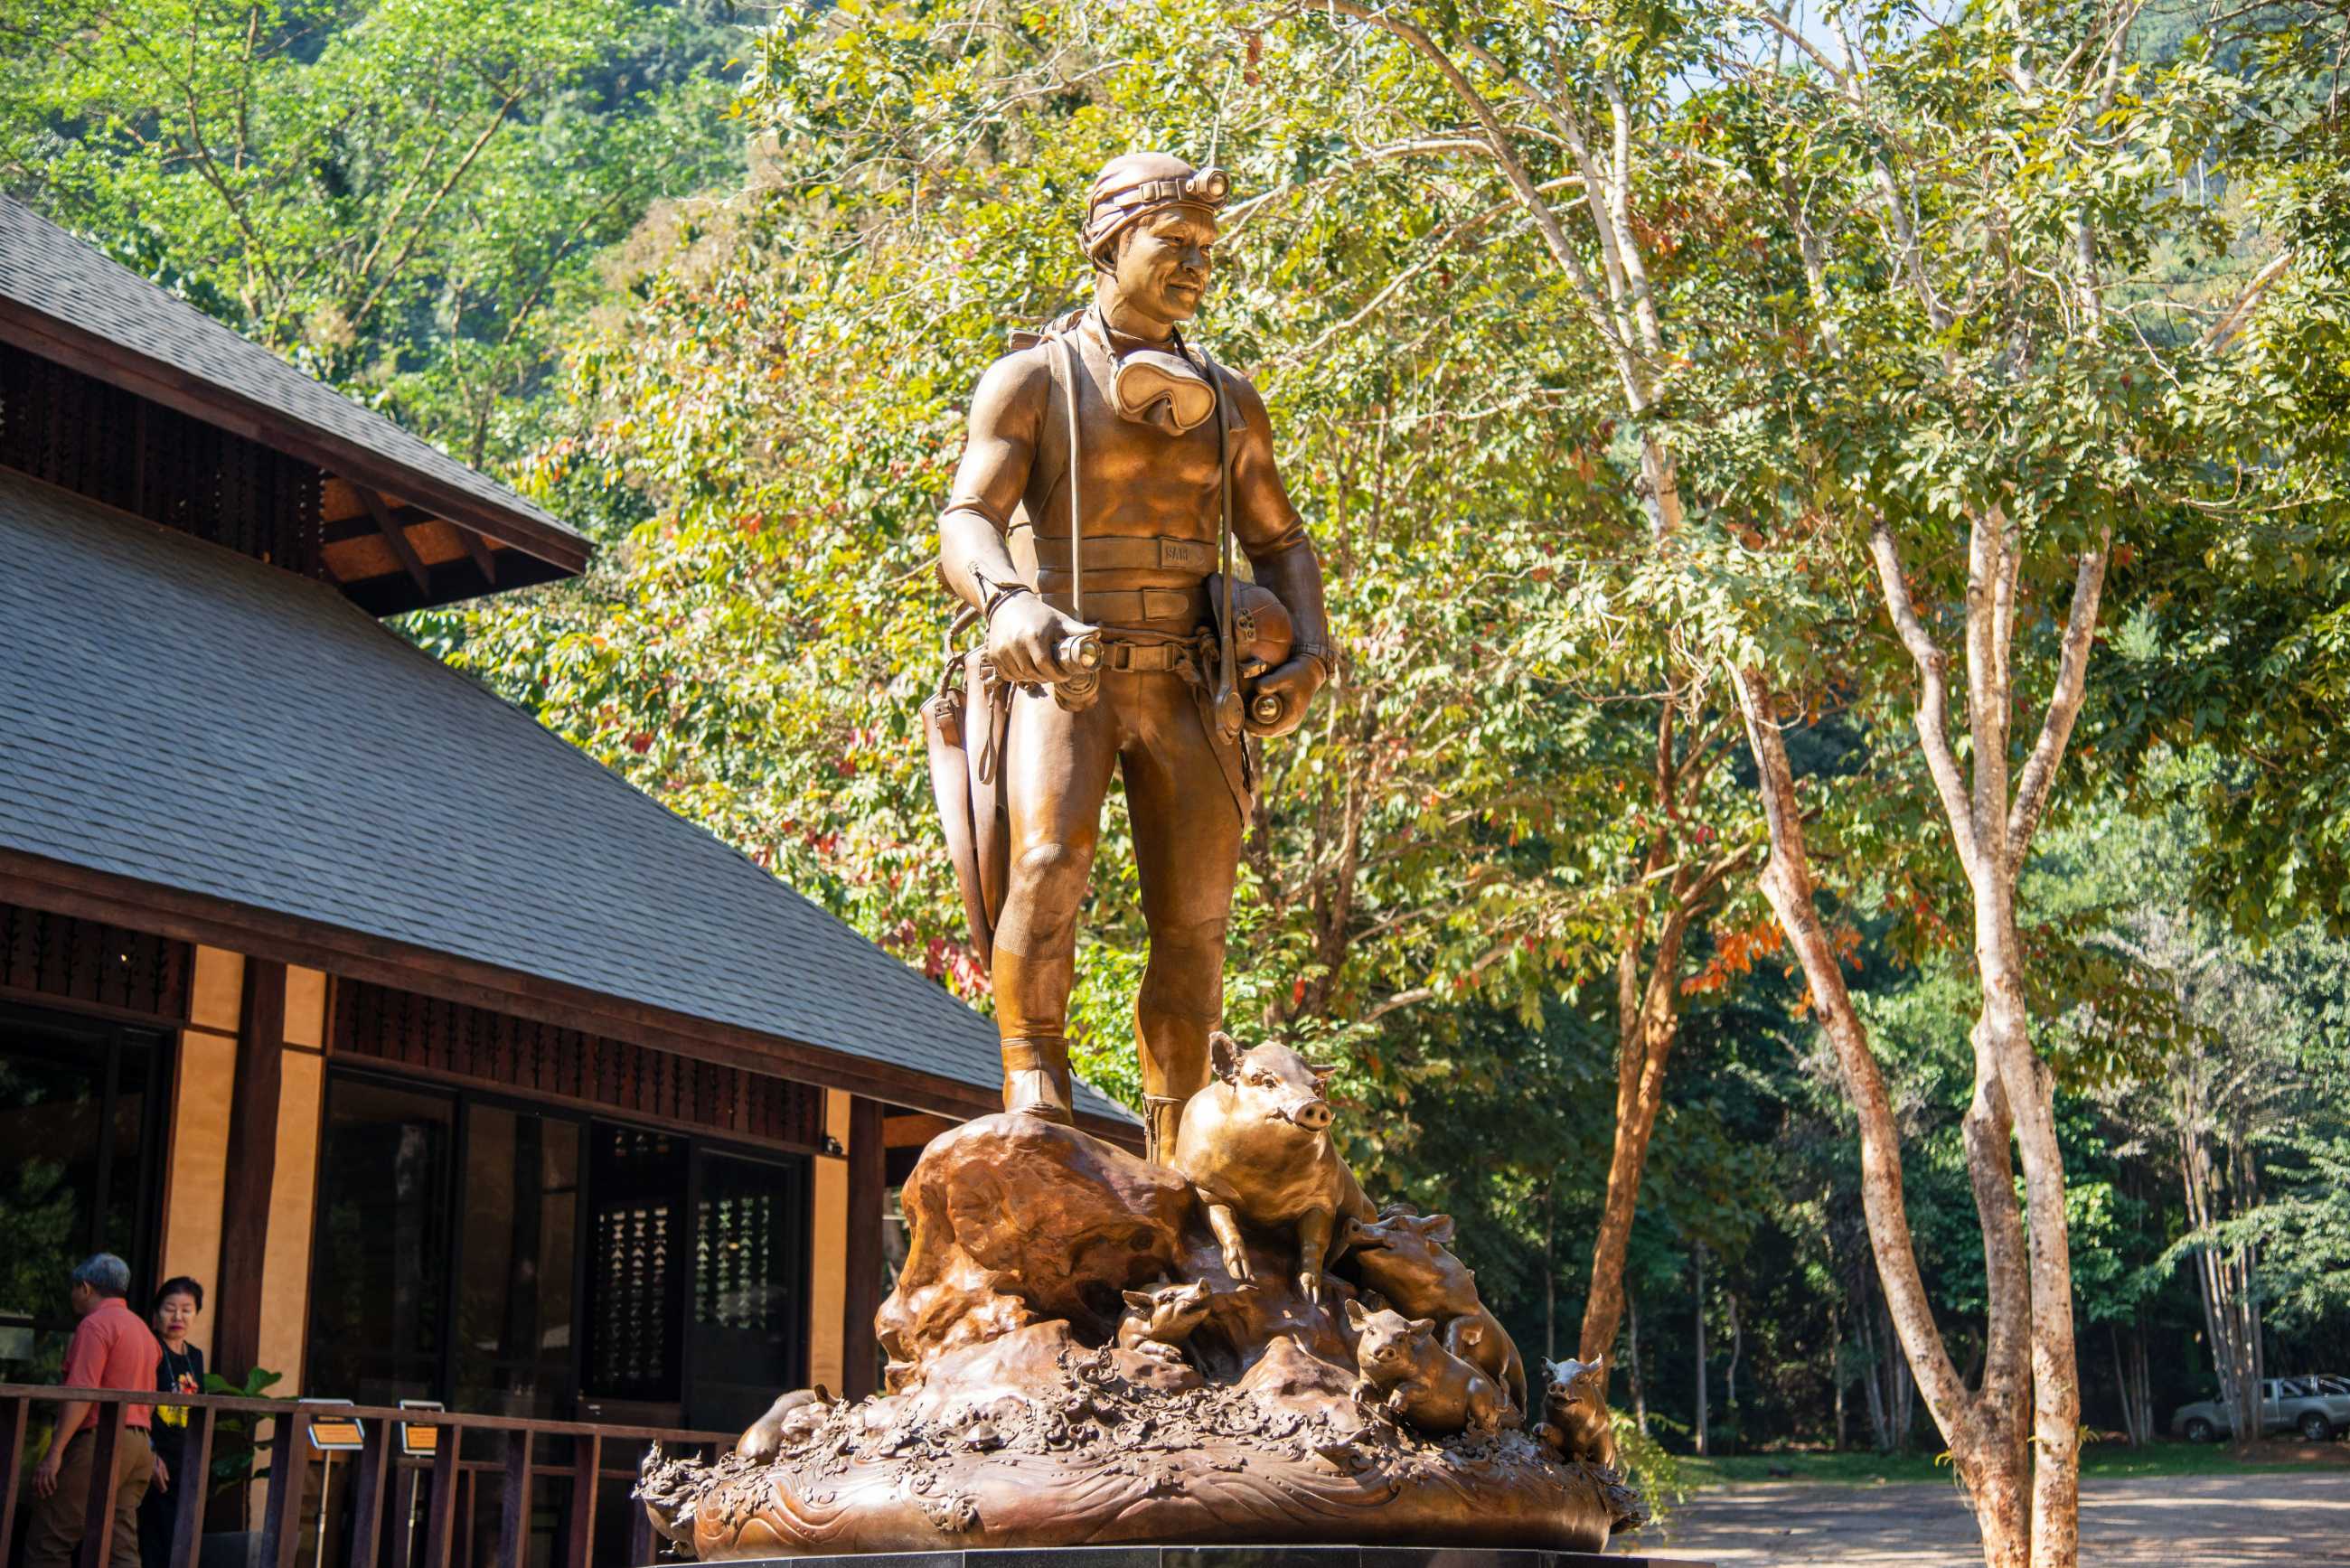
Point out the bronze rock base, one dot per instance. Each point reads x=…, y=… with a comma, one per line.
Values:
x=1014, y=1420
x=1241, y=1557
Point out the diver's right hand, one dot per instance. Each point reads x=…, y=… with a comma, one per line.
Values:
x=1025, y=638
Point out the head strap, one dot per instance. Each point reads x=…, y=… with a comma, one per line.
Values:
x=1113, y=212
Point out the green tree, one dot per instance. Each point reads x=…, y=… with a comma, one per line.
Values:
x=1873, y=303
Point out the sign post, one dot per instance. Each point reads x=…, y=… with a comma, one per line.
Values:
x=418, y=1440
x=332, y=1434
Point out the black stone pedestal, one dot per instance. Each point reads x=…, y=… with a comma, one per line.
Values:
x=1232, y=1557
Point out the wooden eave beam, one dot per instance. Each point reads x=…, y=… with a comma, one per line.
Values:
x=479, y=548
x=121, y=366
x=395, y=535
x=477, y=544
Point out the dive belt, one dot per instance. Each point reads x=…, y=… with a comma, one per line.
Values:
x=1110, y=608
x=1119, y=553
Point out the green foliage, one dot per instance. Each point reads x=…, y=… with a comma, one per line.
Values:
x=1446, y=856
x=407, y=197
x=238, y=1453
x=1660, y=1476
x=1454, y=826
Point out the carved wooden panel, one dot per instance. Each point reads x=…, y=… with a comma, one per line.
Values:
x=497, y=1048
x=97, y=439
x=88, y=961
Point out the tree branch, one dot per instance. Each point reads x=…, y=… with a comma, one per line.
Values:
x=424, y=219
x=2064, y=703
x=2226, y=327
x=1933, y=710
x=1497, y=135
x=1788, y=883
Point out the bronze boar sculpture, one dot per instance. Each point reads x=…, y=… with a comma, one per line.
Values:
x=1401, y=1255
x=1255, y=1146
x=1574, y=1424
x=1159, y=1321
x=1088, y=1349
x=1419, y=1380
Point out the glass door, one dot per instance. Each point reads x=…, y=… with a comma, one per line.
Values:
x=518, y=1214
x=81, y=1126
x=381, y=1264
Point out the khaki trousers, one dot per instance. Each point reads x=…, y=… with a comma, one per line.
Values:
x=1187, y=850
x=58, y=1517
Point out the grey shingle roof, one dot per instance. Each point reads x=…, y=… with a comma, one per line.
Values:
x=173, y=713
x=52, y=279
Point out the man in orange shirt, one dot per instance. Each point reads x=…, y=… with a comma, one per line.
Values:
x=111, y=1348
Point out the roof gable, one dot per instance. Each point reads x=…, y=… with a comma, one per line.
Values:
x=64, y=300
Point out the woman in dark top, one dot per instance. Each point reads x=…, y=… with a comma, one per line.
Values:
x=180, y=1371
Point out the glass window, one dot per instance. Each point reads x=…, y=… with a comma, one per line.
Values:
x=636, y=1273
x=77, y=1171
x=750, y=1251
x=379, y=1281
x=519, y=1263
x=514, y=1298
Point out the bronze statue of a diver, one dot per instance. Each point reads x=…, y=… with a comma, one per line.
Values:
x=1111, y=470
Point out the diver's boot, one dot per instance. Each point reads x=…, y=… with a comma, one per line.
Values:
x=1161, y=1116
x=1036, y=1078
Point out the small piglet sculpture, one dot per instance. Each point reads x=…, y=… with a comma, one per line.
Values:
x=1420, y=1381
x=1574, y=1425
x=788, y=1424
x=1158, y=1320
x=1402, y=1256
x=1256, y=1144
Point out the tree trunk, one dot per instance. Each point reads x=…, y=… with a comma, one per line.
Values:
x=1701, y=1412
x=1874, y=1385
x=2223, y=1276
x=1729, y=1380
x=1901, y=1400
x=2126, y=1385
x=1632, y=1362
x=2030, y=1094
x=2142, y=1375
x=1891, y=1390
x=1990, y=1453
x=1836, y=1369
x=1550, y=1278
x=2025, y=1484
x=1645, y=1025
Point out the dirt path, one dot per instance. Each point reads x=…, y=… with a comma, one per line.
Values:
x=2213, y=1522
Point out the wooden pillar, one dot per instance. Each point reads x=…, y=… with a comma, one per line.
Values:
x=203, y=1095
x=861, y=1260
x=239, y=1295
x=827, y=1247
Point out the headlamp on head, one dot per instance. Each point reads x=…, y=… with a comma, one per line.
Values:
x=1117, y=206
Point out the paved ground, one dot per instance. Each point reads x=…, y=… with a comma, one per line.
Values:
x=2212, y=1521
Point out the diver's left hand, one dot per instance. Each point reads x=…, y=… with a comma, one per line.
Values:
x=1293, y=685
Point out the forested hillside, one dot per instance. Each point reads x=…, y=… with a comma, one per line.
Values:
x=1676, y=486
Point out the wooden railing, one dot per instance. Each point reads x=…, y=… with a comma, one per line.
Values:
x=380, y=1474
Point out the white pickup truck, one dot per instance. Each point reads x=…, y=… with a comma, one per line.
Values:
x=2317, y=1407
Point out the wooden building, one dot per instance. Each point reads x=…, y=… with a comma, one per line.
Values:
x=454, y=1066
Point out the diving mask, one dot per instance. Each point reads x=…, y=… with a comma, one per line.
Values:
x=1161, y=389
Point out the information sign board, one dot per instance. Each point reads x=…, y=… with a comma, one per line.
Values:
x=418, y=1440
x=332, y=1433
